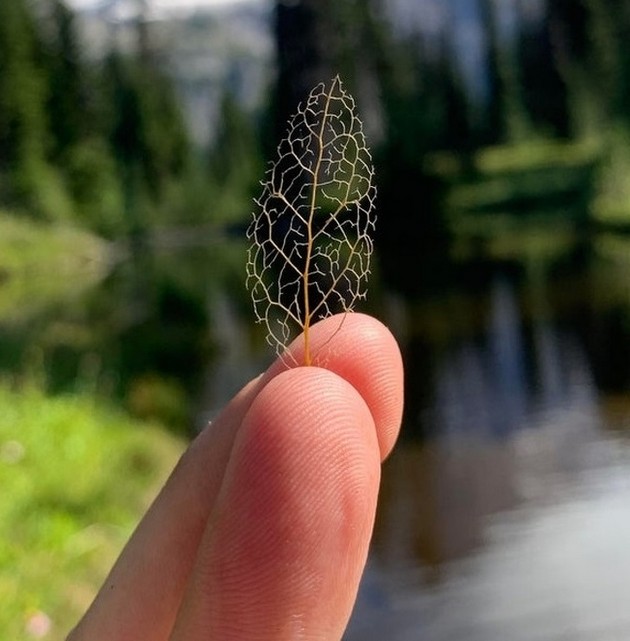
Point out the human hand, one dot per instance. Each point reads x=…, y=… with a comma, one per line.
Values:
x=262, y=531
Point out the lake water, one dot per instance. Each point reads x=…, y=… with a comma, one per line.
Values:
x=505, y=509
x=505, y=513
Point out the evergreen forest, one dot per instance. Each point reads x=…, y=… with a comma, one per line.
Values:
x=498, y=128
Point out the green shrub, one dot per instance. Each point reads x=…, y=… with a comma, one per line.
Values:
x=76, y=475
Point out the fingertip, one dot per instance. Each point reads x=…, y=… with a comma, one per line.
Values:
x=311, y=419
x=374, y=367
x=363, y=351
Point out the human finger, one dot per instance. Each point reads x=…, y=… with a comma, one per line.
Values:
x=287, y=540
x=363, y=351
x=141, y=596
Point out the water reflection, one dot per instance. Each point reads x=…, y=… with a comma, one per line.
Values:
x=505, y=509
x=512, y=520
x=233, y=364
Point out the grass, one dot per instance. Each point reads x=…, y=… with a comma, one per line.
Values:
x=506, y=237
x=611, y=207
x=42, y=264
x=520, y=179
x=75, y=475
x=536, y=154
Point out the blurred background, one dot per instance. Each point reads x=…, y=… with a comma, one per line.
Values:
x=133, y=136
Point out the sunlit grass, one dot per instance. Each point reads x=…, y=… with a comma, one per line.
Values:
x=612, y=202
x=542, y=152
x=517, y=157
x=521, y=178
x=536, y=185
x=75, y=477
x=505, y=237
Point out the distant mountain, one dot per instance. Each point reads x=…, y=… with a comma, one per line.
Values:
x=213, y=48
x=206, y=51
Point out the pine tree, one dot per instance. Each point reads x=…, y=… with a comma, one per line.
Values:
x=615, y=16
x=71, y=114
x=542, y=87
x=583, y=57
x=23, y=131
x=146, y=128
x=496, y=112
x=235, y=157
x=319, y=39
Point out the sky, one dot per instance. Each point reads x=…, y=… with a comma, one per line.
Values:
x=165, y=4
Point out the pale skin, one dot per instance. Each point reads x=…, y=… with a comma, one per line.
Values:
x=262, y=530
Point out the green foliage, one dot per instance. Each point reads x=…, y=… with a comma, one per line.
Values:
x=538, y=153
x=76, y=142
x=235, y=162
x=27, y=107
x=75, y=477
x=318, y=39
x=612, y=202
x=152, y=397
x=42, y=265
x=496, y=112
x=610, y=20
x=23, y=131
x=93, y=181
x=39, y=189
x=543, y=87
x=195, y=198
x=71, y=116
x=522, y=177
x=145, y=126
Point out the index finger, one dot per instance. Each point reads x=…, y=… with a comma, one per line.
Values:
x=364, y=352
x=143, y=592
